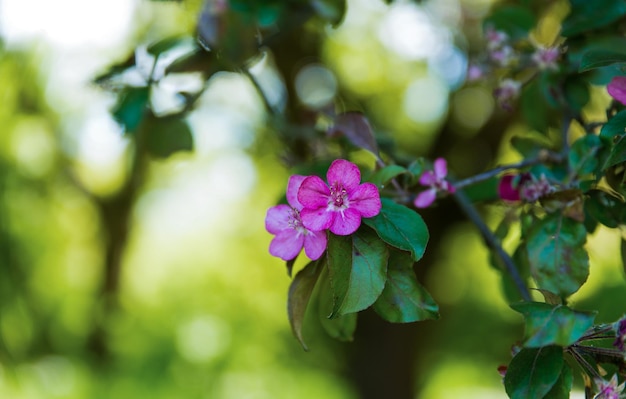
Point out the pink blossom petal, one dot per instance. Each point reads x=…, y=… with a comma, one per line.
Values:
x=441, y=168
x=277, y=218
x=315, y=244
x=617, y=88
x=428, y=178
x=425, y=198
x=313, y=193
x=506, y=191
x=344, y=172
x=293, y=186
x=287, y=244
x=366, y=200
x=316, y=219
x=346, y=222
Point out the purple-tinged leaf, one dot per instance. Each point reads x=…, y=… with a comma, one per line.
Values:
x=558, y=260
x=356, y=128
x=553, y=324
x=533, y=372
x=300, y=292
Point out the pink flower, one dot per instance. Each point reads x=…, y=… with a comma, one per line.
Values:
x=285, y=222
x=508, y=188
x=546, y=57
x=617, y=89
x=340, y=205
x=608, y=389
x=436, y=180
x=507, y=92
x=524, y=187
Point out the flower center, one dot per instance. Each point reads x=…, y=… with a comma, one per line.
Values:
x=338, y=197
x=295, y=222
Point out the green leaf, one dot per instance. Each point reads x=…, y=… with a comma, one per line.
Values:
x=381, y=177
x=358, y=270
x=562, y=386
x=533, y=372
x=605, y=208
x=169, y=43
x=131, y=108
x=404, y=300
x=530, y=145
x=588, y=15
x=583, y=157
x=341, y=328
x=486, y=190
x=299, y=295
x=168, y=135
x=614, y=127
x=617, y=155
x=558, y=260
x=535, y=108
x=400, y=227
x=576, y=94
x=596, y=59
x=552, y=324
x=516, y=21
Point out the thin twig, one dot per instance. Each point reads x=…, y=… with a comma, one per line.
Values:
x=583, y=362
x=543, y=157
x=493, y=243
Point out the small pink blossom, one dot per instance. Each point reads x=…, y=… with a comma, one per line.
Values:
x=495, y=38
x=503, y=56
x=524, y=187
x=474, y=72
x=507, y=92
x=546, y=57
x=340, y=204
x=291, y=236
x=609, y=389
x=617, y=88
x=436, y=180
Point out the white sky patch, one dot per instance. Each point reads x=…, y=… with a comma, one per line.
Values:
x=410, y=32
x=66, y=23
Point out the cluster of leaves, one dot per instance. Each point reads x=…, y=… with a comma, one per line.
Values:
x=581, y=184
x=372, y=267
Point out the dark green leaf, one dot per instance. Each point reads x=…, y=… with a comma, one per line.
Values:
x=404, y=300
x=168, y=135
x=563, y=386
x=558, y=260
x=169, y=43
x=533, y=372
x=605, y=208
x=131, y=108
x=535, y=108
x=552, y=324
x=587, y=15
x=614, y=127
x=576, y=94
x=530, y=145
x=516, y=21
x=356, y=128
x=299, y=295
x=358, y=270
x=381, y=177
x=341, y=328
x=599, y=58
x=617, y=155
x=623, y=253
x=583, y=157
x=486, y=190
x=400, y=227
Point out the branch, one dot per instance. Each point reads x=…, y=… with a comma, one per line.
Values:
x=493, y=243
x=542, y=157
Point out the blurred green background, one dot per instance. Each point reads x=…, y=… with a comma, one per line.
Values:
x=165, y=288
